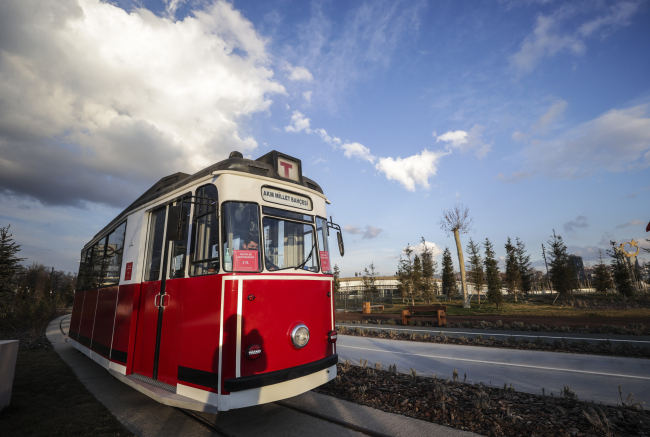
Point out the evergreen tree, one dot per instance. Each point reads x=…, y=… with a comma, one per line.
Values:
x=513, y=279
x=429, y=268
x=602, y=276
x=369, y=279
x=9, y=268
x=620, y=273
x=337, y=281
x=448, y=276
x=525, y=269
x=561, y=272
x=418, y=283
x=475, y=267
x=492, y=280
x=405, y=274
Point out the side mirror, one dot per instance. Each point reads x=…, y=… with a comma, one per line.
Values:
x=341, y=246
x=176, y=223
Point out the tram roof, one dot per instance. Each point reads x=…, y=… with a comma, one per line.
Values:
x=265, y=165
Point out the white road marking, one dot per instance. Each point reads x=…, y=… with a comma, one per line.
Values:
x=499, y=363
x=502, y=335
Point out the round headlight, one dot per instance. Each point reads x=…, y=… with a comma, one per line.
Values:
x=300, y=336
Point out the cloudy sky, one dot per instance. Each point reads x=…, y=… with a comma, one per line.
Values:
x=534, y=114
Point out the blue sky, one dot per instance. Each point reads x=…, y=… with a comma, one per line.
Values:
x=534, y=114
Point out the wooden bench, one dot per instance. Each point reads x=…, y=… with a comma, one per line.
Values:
x=440, y=310
x=367, y=307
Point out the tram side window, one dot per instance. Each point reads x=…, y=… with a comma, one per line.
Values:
x=179, y=248
x=155, y=245
x=241, y=237
x=97, y=264
x=324, y=251
x=205, y=244
x=113, y=258
x=82, y=278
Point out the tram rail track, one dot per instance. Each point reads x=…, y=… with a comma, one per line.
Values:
x=192, y=415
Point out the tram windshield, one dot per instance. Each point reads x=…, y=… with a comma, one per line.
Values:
x=241, y=237
x=289, y=244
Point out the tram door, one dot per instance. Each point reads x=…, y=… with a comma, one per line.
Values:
x=153, y=300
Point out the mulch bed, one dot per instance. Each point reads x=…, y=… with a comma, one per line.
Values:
x=613, y=325
x=29, y=339
x=581, y=347
x=484, y=410
x=528, y=320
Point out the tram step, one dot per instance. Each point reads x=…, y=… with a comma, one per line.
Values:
x=164, y=396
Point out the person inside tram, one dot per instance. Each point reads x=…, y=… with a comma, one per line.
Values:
x=250, y=243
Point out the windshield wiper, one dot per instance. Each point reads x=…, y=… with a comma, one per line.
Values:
x=311, y=252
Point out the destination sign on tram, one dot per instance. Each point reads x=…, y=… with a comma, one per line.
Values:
x=285, y=198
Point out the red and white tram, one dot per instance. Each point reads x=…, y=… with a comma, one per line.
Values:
x=214, y=290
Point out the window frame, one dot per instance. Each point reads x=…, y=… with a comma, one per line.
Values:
x=261, y=264
x=316, y=246
x=188, y=240
x=326, y=234
x=195, y=217
x=91, y=260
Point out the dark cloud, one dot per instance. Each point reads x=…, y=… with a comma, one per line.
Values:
x=580, y=222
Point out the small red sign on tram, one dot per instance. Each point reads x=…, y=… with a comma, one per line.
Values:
x=127, y=271
x=245, y=260
x=325, y=261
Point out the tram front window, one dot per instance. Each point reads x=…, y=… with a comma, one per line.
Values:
x=289, y=244
x=241, y=237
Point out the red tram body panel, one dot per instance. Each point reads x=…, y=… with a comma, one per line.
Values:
x=215, y=286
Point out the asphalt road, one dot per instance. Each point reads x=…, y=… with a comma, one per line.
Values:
x=145, y=417
x=548, y=337
x=591, y=377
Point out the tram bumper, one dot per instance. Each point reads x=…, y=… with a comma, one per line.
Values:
x=234, y=385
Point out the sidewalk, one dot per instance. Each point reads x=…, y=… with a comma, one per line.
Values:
x=145, y=417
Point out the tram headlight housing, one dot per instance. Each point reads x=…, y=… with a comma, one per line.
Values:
x=300, y=336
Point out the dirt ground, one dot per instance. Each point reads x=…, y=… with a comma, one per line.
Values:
x=529, y=320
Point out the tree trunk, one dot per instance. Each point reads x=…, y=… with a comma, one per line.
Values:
x=461, y=261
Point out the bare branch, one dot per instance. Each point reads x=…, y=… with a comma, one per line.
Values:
x=456, y=219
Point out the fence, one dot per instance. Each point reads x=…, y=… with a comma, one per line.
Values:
x=354, y=302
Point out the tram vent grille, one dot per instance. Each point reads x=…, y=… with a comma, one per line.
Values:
x=153, y=382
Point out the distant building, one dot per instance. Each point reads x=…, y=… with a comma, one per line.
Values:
x=578, y=267
x=355, y=285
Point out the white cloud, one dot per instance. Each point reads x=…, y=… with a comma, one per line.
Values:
x=419, y=248
x=370, y=232
x=352, y=229
x=411, y=171
x=298, y=123
x=544, y=123
x=640, y=223
x=307, y=96
x=616, y=141
x=358, y=150
x=456, y=138
x=467, y=141
x=299, y=73
x=332, y=141
x=92, y=93
x=344, y=50
x=548, y=38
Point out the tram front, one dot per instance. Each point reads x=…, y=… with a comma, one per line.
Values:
x=278, y=337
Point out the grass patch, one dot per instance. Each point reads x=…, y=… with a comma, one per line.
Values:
x=531, y=307
x=49, y=400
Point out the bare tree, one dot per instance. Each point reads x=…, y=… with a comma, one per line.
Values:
x=457, y=221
